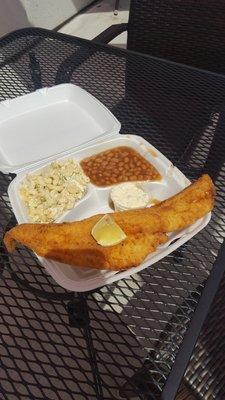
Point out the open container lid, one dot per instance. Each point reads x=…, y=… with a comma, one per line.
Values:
x=39, y=127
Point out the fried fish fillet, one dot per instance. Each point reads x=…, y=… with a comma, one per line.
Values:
x=72, y=243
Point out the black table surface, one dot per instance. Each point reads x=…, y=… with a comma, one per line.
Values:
x=133, y=338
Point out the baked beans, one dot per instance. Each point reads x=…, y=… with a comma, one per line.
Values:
x=120, y=164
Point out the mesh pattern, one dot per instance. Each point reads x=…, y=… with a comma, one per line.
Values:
x=206, y=369
x=185, y=394
x=122, y=339
x=184, y=31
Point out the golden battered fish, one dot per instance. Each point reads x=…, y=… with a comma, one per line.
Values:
x=72, y=243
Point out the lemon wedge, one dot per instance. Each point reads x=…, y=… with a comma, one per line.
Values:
x=107, y=232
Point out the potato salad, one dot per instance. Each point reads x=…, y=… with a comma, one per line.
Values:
x=53, y=190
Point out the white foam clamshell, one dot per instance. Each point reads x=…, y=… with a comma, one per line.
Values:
x=40, y=126
x=73, y=124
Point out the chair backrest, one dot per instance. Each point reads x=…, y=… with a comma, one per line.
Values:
x=186, y=31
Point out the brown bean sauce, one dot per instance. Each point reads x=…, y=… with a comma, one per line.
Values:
x=120, y=164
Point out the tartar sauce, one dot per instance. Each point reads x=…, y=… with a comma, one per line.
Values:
x=128, y=196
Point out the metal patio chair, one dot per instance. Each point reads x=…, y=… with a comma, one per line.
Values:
x=184, y=31
x=191, y=33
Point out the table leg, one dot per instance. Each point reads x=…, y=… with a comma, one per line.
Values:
x=116, y=8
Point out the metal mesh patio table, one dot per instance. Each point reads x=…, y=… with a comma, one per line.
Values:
x=133, y=338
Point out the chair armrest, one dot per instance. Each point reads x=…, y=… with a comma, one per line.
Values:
x=110, y=33
x=72, y=62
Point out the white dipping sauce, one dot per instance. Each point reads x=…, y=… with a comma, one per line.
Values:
x=128, y=196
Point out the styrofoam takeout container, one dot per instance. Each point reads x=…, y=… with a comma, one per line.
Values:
x=67, y=122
